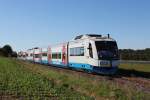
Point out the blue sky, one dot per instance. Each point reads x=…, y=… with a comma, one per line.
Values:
x=28, y=23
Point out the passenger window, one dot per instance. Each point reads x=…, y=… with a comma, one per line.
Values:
x=90, y=51
x=44, y=54
x=82, y=51
x=77, y=51
x=56, y=55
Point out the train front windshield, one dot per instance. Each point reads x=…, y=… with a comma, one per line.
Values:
x=107, y=50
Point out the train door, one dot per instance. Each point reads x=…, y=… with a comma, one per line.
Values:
x=90, y=54
x=64, y=55
x=49, y=55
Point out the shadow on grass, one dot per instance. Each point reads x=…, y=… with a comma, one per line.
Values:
x=132, y=73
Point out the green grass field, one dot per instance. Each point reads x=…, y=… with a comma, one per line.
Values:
x=136, y=67
x=19, y=79
x=136, y=70
x=18, y=82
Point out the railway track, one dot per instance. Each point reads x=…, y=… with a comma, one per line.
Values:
x=140, y=83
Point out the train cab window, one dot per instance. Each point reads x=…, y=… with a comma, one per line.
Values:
x=90, y=51
x=107, y=50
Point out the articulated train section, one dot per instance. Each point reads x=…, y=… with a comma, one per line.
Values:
x=89, y=52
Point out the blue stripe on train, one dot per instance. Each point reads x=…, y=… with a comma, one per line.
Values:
x=96, y=69
x=60, y=64
x=80, y=66
x=45, y=61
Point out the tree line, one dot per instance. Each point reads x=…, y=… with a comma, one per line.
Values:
x=7, y=51
x=130, y=54
x=125, y=54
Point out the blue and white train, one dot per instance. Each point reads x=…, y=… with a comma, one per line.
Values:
x=91, y=52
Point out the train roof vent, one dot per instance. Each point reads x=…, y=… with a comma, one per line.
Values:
x=88, y=36
x=94, y=35
x=78, y=37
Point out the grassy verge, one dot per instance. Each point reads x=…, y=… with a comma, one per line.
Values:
x=18, y=82
x=99, y=89
x=136, y=67
x=30, y=77
x=135, y=70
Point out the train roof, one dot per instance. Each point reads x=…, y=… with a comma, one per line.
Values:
x=93, y=37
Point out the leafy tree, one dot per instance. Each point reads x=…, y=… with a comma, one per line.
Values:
x=130, y=54
x=1, y=52
x=7, y=50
